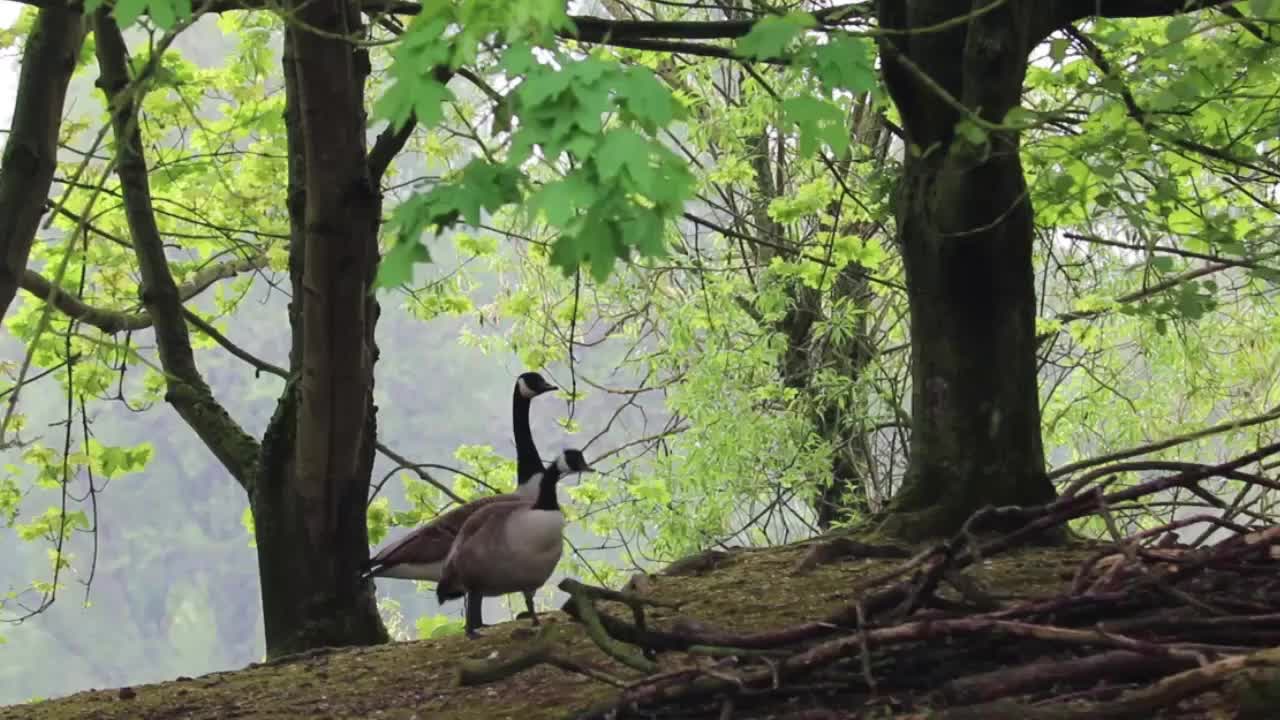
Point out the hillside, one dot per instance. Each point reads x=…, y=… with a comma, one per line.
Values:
x=742, y=591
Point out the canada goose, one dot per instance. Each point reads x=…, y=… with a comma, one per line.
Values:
x=420, y=554
x=509, y=547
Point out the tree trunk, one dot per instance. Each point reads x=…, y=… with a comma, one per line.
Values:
x=309, y=502
x=31, y=149
x=965, y=229
x=846, y=495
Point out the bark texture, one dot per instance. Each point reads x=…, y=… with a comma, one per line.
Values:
x=965, y=230
x=31, y=149
x=309, y=504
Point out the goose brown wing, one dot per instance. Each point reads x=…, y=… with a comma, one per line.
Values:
x=431, y=542
x=480, y=537
x=491, y=516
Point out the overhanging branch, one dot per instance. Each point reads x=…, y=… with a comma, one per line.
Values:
x=1062, y=13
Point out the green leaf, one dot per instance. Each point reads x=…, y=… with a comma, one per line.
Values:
x=561, y=200
x=427, y=97
x=770, y=36
x=246, y=520
x=546, y=84
x=1058, y=49
x=518, y=59
x=645, y=233
x=396, y=267
x=1179, y=29
x=646, y=99
x=1162, y=263
x=1019, y=118
x=847, y=63
x=164, y=13
x=819, y=122
x=971, y=132
x=128, y=11
x=1262, y=8
x=625, y=149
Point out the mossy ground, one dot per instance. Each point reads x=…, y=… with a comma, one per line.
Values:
x=751, y=590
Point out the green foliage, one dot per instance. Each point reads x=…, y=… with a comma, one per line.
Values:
x=773, y=35
x=819, y=121
x=438, y=626
x=621, y=187
x=845, y=62
x=600, y=157
x=164, y=13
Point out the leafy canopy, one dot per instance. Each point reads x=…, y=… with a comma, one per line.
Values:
x=598, y=123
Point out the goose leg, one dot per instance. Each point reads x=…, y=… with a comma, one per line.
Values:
x=530, y=612
x=474, y=614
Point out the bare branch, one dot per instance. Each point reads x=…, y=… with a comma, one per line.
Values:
x=114, y=321
x=1272, y=415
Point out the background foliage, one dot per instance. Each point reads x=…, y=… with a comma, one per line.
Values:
x=738, y=194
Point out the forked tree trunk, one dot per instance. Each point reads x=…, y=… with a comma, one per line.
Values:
x=309, y=501
x=965, y=229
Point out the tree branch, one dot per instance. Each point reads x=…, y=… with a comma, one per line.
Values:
x=114, y=321
x=1146, y=292
x=259, y=364
x=108, y=321
x=1269, y=416
x=1063, y=13
x=187, y=392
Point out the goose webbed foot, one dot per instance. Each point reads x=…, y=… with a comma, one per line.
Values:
x=529, y=612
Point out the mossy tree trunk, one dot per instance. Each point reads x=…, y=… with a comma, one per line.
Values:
x=965, y=232
x=31, y=148
x=309, y=501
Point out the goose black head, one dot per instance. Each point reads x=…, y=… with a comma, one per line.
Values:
x=531, y=384
x=572, y=461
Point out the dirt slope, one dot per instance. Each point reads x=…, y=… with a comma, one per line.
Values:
x=748, y=590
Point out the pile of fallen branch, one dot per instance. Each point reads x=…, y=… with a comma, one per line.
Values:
x=1146, y=627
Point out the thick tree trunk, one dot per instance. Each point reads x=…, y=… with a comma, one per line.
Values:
x=31, y=149
x=309, y=504
x=965, y=228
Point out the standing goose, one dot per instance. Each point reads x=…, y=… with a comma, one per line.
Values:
x=420, y=554
x=510, y=547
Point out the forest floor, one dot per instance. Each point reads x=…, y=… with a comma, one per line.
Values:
x=746, y=591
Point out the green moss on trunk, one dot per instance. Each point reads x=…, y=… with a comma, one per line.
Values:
x=965, y=227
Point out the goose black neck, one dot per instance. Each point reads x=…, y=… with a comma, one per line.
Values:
x=547, y=499
x=528, y=462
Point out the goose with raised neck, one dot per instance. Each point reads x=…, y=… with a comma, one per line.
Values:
x=420, y=554
x=510, y=547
